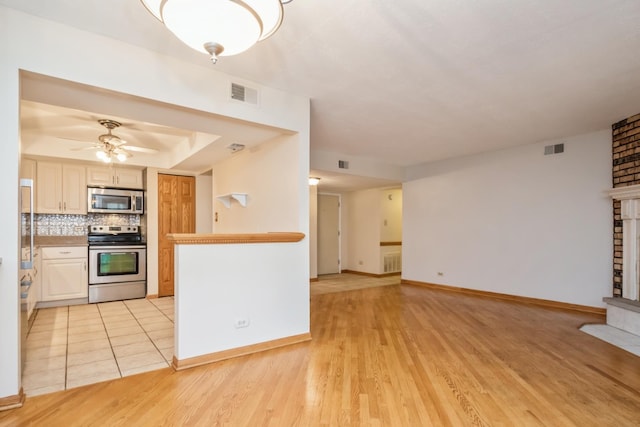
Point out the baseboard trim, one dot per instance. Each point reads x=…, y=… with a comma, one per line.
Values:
x=12, y=402
x=514, y=298
x=314, y=279
x=192, y=362
x=152, y=296
x=378, y=276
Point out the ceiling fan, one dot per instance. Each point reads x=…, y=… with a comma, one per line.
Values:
x=110, y=146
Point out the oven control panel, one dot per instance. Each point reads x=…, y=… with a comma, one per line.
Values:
x=113, y=229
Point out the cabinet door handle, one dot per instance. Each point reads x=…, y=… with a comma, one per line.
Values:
x=65, y=206
x=59, y=206
x=85, y=266
x=65, y=252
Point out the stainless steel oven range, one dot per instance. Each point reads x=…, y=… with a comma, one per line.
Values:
x=117, y=263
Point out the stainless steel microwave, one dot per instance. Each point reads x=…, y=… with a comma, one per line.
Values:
x=115, y=200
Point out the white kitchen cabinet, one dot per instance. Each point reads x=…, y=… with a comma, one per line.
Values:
x=114, y=177
x=64, y=273
x=61, y=188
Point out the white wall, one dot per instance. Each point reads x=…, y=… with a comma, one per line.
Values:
x=204, y=204
x=51, y=49
x=364, y=231
x=515, y=222
x=264, y=283
x=268, y=175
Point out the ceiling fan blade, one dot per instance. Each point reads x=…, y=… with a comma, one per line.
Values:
x=114, y=140
x=138, y=149
x=84, y=148
x=75, y=139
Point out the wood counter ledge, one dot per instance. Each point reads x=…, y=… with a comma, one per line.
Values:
x=220, y=239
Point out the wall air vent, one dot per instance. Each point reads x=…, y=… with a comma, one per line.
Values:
x=343, y=164
x=244, y=94
x=553, y=149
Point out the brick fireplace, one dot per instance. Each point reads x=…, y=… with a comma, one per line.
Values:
x=626, y=206
x=623, y=310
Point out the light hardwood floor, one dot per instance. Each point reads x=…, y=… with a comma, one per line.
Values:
x=394, y=355
x=348, y=282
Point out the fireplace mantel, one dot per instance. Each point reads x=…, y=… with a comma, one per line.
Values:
x=629, y=197
x=625, y=193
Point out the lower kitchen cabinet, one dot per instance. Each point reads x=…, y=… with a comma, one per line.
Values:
x=64, y=273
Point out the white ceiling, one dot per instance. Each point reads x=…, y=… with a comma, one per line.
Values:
x=414, y=81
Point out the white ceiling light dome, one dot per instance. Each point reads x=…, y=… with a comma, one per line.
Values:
x=219, y=27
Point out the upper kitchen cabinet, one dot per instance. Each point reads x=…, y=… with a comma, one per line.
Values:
x=114, y=177
x=61, y=188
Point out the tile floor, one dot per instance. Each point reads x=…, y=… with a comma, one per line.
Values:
x=622, y=339
x=83, y=344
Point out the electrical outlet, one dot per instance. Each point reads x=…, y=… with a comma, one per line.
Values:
x=440, y=273
x=360, y=262
x=241, y=323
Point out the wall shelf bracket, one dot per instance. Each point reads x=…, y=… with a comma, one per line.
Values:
x=239, y=197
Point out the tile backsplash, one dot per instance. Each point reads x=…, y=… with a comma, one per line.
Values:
x=77, y=225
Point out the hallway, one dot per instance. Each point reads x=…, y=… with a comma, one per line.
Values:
x=329, y=283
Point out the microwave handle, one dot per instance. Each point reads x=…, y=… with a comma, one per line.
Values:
x=133, y=202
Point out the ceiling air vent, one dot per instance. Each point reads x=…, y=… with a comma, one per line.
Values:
x=343, y=164
x=244, y=94
x=553, y=149
x=235, y=147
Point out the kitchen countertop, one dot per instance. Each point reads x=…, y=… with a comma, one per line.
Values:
x=60, y=241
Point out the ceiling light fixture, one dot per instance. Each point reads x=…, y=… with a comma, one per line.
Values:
x=314, y=180
x=110, y=145
x=219, y=27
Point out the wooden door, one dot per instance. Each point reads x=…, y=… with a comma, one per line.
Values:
x=176, y=214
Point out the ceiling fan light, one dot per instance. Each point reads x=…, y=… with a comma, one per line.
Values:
x=101, y=154
x=107, y=159
x=121, y=157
